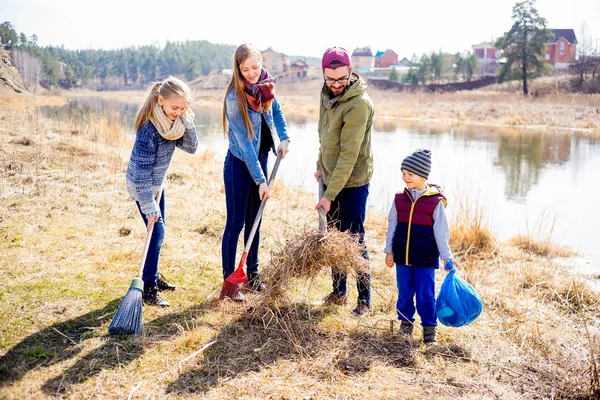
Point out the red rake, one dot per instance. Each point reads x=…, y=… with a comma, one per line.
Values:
x=238, y=280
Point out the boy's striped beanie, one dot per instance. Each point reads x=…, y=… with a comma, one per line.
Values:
x=419, y=162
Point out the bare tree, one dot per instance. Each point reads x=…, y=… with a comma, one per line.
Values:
x=587, y=54
x=29, y=67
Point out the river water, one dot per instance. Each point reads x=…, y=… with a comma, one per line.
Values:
x=543, y=184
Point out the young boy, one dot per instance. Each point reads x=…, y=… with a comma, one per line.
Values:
x=417, y=238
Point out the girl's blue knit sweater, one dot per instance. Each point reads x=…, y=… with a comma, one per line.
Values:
x=149, y=161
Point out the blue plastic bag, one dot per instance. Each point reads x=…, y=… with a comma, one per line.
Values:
x=457, y=303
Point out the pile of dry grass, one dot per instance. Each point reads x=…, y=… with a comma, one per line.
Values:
x=309, y=253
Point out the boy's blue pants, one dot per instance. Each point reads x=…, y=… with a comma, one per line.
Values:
x=416, y=283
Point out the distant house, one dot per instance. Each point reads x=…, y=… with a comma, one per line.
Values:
x=384, y=59
x=298, y=70
x=276, y=63
x=487, y=58
x=405, y=61
x=362, y=59
x=561, y=51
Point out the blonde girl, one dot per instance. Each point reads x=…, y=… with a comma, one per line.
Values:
x=163, y=123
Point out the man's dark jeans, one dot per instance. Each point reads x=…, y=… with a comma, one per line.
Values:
x=347, y=213
x=242, y=202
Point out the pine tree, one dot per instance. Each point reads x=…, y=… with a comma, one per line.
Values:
x=524, y=45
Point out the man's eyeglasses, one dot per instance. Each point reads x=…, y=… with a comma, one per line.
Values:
x=342, y=81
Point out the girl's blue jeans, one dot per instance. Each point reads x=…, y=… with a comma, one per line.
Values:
x=347, y=213
x=416, y=283
x=150, y=273
x=242, y=203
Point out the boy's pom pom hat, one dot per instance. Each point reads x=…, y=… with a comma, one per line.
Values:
x=335, y=57
x=419, y=162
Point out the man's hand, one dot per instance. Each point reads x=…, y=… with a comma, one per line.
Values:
x=389, y=259
x=325, y=203
x=318, y=174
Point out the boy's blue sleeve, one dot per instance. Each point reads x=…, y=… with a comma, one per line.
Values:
x=392, y=223
x=441, y=231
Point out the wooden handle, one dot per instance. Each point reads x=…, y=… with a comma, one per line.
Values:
x=321, y=210
x=149, y=236
x=262, y=206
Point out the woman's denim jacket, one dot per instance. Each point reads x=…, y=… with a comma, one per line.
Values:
x=239, y=144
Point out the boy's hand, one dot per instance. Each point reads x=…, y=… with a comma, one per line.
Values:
x=450, y=264
x=389, y=259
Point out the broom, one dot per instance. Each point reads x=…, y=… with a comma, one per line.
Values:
x=128, y=319
x=238, y=279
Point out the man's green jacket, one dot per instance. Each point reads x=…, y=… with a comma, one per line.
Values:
x=345, y=121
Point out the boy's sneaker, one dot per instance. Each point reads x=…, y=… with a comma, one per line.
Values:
x=406, y=329
x=361, y=309
x=151, y=296
x=429, y=335
x=162, y=284
x=335, y=299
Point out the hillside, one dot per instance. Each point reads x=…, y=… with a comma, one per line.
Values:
x=9, y=76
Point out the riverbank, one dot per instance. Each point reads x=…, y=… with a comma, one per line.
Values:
x=71, y=242
x=500, y=106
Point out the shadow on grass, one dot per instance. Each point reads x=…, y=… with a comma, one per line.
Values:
x=255, y=341
x=250, y=342
x=120, y=350
x=53, y=344
x=65, y=340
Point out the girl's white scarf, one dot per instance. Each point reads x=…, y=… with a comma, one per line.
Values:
x=170, y=130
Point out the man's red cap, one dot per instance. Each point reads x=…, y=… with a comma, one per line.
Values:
x=335, y=57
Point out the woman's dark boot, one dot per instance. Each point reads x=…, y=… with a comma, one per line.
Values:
x=162, y=284
x=151, y=296
x=255, y=281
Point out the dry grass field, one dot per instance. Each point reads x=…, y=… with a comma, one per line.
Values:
x=70, y=242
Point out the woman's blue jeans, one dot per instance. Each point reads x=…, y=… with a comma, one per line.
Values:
x=242, y=202
x=150, y=273
x=347, y=213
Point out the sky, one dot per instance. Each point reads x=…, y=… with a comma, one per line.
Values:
x=305, y=27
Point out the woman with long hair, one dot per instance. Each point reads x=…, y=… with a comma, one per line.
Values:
x=251, y=117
